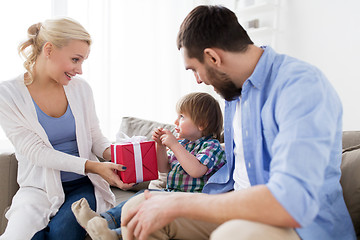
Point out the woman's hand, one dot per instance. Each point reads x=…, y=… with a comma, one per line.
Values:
x=107, y=171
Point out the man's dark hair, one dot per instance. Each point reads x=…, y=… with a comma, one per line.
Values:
x=211, y=26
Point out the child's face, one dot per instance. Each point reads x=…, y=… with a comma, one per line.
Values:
x=186, y=128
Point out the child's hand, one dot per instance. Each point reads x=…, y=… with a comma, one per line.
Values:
x=157, y=134
x=167, y=138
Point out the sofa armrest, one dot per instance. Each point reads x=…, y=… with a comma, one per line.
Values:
x=8, y=184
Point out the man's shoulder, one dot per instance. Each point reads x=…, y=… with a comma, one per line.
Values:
x=289, y=68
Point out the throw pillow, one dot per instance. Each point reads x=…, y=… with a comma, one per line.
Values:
x=133, y=126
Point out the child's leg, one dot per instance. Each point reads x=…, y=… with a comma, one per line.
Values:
x=83, y=212
x=113, y=215
x=96, y=226
x=98, y=229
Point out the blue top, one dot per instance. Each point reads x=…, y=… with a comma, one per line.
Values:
x=292, y=137
x=61, y=132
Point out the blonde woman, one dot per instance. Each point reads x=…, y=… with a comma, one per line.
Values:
x=49, y=116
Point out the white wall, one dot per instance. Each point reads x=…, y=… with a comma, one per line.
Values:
x=326, y=33
x=15, y=18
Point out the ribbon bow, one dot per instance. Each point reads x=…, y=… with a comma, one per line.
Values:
x=135, y=141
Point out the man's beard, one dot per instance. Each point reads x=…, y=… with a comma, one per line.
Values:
x=222, y=84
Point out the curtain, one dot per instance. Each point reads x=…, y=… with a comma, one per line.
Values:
x=16, y=16
x=134, y=66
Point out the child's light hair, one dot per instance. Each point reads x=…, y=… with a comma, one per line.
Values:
x=204, y=110
x=57, y=31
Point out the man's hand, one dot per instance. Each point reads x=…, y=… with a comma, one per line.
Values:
x=151, y=215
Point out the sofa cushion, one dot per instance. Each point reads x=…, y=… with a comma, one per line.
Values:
x=350, y=182
x=350, y=139
x=8, y=184
x=133, y=126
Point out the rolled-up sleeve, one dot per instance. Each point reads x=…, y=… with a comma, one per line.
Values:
x=302, y=147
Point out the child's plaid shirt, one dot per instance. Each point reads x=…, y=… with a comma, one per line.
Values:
x=208, y=151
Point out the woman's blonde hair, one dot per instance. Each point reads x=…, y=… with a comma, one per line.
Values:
x=204, y=110
x=57, y=31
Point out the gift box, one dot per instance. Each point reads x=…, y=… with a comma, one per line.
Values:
x=139, y=159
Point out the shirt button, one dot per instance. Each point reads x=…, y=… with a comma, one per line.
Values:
x=249, y=165
x=246, y=133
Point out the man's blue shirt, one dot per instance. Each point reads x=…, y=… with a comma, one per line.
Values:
x=292, y=139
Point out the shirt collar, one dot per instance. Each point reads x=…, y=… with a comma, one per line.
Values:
x=262, y=68
x=197, y=141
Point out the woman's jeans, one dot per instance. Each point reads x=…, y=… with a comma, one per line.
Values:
x=64, y=225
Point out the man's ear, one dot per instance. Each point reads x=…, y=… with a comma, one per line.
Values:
x=212, y=56
x=47, y=49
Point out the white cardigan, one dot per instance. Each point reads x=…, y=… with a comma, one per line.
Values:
x=41, y=193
